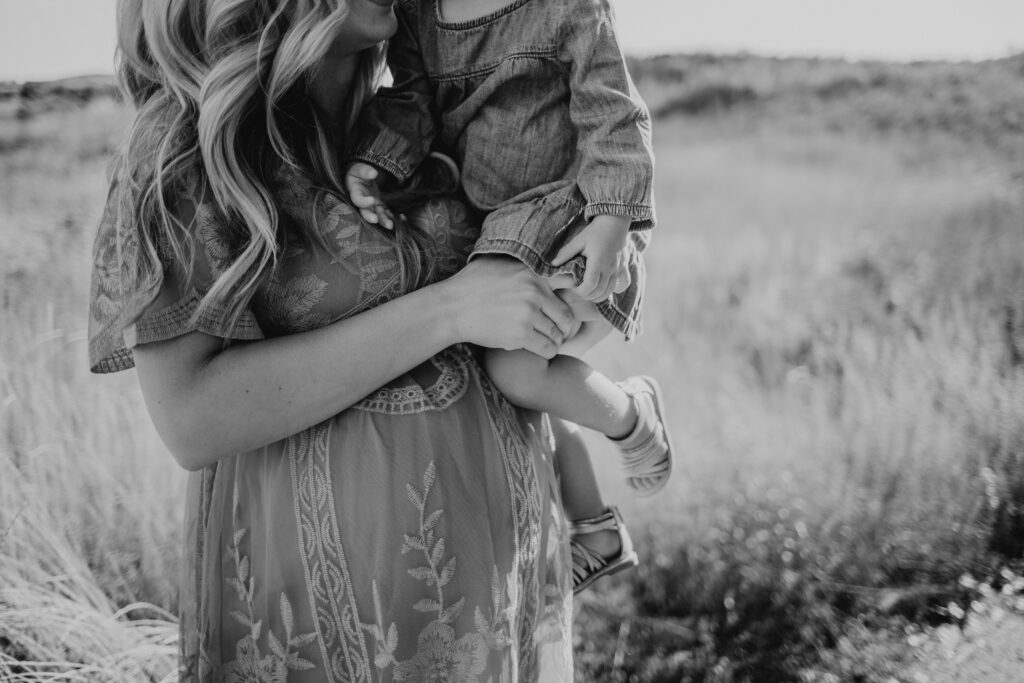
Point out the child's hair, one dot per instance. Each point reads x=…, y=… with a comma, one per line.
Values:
x=221, y=93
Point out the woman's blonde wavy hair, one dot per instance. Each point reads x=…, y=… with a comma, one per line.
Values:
x=221, y=92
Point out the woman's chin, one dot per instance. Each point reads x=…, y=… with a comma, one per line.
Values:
x=370, y=26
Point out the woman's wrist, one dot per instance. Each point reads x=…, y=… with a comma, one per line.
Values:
x=444, y=299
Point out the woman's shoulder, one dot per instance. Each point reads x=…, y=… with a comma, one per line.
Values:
x=138, y=268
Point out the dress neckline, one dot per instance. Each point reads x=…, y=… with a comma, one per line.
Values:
x=474, y=23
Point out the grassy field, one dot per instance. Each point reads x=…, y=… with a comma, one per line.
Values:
x=835, y=308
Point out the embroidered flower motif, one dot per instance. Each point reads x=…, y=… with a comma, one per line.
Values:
x=440, y=658
x=249, y=667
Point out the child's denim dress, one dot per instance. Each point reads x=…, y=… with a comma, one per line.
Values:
x=536, y=106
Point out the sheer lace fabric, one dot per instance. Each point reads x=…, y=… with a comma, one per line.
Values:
x=417, y=536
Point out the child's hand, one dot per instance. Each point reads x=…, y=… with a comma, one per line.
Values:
x=604, y=243
x=361, y=183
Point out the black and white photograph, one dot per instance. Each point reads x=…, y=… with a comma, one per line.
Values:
x=511, y=341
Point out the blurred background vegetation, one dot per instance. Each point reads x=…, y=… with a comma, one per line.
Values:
x=835, y=308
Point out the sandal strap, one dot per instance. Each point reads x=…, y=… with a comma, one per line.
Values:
x=584, y=561
x=608, y=519
x=644, y=460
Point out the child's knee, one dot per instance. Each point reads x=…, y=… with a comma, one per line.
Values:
x=589, y=334
x=569, y=439
x=517, y=374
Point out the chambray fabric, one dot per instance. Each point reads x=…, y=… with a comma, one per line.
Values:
x=535, y=104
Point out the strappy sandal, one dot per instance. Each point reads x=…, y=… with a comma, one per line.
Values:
x=588, y=566
x=647, y=451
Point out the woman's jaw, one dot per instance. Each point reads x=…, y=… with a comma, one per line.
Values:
x=368, y=22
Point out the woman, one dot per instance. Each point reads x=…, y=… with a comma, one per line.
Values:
x=363, y=506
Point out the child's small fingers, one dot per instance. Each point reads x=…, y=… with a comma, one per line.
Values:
x=621, y=279
x=362, y=199
x=364, y=171
x=622, y=282
x=606, y=285
x=567, y=252
x=591, y=280
x=369, y=215
x=384, y=217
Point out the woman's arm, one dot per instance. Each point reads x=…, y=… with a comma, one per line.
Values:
x=208, y=403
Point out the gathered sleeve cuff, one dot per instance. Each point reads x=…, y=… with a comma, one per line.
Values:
x=397, y=127
x=616, y=173
x=127, y=309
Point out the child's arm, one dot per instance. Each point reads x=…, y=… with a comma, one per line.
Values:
x=397, y=127
x=613, y=125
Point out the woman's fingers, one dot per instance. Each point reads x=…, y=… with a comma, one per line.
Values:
x=559, y=314
x=510, y=307
x=542, y=345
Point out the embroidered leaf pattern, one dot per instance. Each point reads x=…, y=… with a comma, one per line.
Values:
x=452, y=613
x=427, y=605
x=497, y=630
x=290, y=304
x=250, y=663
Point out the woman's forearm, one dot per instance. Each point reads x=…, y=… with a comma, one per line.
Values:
x=208, y=403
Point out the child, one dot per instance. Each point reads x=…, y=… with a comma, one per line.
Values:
x=534, y=102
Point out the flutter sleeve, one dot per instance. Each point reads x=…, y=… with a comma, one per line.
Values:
x=616, y=174
x=397, y=127
x=127, y=308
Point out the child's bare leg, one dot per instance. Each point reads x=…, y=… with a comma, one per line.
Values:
x=630, y=413
x=564, y=386
x=581, y=496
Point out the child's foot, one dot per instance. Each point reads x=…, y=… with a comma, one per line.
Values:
x=647, y=450
x=600, y=547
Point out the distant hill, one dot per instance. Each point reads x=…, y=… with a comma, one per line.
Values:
x=977, y=101
x=82, y=88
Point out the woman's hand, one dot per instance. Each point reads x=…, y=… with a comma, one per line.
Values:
x=209, y=402
x=502, y=304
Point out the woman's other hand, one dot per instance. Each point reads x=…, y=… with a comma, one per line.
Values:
x=502, y=304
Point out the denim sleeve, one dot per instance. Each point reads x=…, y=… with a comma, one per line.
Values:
x=616, y=173
x=396, y=128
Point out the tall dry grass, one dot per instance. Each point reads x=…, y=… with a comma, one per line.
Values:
x=835, y=312
x=839, y=324
x=89, y=500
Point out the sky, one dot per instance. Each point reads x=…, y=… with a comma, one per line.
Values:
x=44, y=39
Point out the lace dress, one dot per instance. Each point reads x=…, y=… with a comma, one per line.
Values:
x=416, y=536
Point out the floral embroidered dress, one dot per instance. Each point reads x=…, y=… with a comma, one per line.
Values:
x=417, y=536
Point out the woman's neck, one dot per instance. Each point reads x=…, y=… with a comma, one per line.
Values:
x=331, y=84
